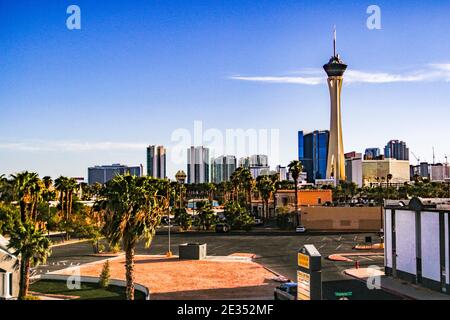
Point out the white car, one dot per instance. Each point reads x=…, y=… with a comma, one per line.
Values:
x=300, y=229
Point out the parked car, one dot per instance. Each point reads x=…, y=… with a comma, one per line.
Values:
x=258, y=222
x=222, y=227
x=300, y=229
x=165, y=220
x=286, y=291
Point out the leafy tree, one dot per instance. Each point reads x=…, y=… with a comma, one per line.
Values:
x=133, y=209
x=206, y=217
x=33, y=248
x=238, y=217
x=183, y=218
x=9, y=215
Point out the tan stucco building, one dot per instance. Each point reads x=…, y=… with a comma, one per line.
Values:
x=9, y=272
x=373, y=169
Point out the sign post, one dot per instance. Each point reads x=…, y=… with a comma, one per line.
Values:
x=309, y=274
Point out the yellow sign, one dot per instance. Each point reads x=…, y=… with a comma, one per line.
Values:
x=303, y=283
x=303, y=260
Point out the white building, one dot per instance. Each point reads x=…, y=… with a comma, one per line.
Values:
x=353, y=168
x=439, y=172
x=282, y=173
x=197, y=165
x=416, y=234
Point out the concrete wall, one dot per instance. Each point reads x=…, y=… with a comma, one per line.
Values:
x=405, y=227
x=342, y=218
x=387, y=238
x=430, y=246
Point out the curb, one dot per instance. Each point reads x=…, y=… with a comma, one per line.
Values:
x=396, y=293
x=68, y=243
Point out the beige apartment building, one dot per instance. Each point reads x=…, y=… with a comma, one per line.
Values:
x=375, y=171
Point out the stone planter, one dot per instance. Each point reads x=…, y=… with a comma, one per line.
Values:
x=192, y=251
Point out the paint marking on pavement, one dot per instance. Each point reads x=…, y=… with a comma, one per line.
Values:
x=367, y=258
x=338, y=247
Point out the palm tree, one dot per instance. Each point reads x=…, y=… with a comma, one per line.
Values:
x=388, y=180
x=24, y=186
x=295, y=169
x=248, y=183
x=266, y=188
x=133, y=209
x=33, y=247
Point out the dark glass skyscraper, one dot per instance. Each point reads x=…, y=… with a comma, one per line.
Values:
x=396, y=149
x=313, y=153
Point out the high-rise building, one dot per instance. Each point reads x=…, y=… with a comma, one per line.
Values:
x=256, y=160
x=282, y=173
x=353, y=168
x=396, y=149
x=258, y=164
x=156, y=162
x=372, y=154
x=198, y=165
x=102, y=174
x=422, y=170
x=312, y=152
x=260, y=171
x=439, y=172
x=222, y=168
x=335, y=69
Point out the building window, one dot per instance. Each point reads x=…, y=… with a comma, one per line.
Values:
x=10, y=276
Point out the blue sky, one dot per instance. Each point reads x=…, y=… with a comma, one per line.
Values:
x=138, y=70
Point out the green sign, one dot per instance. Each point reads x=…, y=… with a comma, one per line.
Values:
x=343, y=294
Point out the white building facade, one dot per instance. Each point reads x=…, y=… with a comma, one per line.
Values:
x=417, y=247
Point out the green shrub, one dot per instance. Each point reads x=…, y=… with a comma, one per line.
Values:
x=31, y=298
x=105, y=275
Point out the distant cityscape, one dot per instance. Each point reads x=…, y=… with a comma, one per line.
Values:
x=368, y=168
x=321, y=153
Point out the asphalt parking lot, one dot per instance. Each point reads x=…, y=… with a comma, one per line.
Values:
x=275, y=250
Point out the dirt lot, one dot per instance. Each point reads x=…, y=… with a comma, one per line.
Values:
x=214, y=278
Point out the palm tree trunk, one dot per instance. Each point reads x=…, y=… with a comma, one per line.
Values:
x=24, y=278
x=129, y=267
x=297, y=214
x=23, y=215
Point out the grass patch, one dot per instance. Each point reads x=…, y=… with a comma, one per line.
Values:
x=88, y=291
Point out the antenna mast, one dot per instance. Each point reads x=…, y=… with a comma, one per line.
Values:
x=334, y=42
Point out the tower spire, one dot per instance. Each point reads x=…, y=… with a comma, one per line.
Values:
x=334, y=41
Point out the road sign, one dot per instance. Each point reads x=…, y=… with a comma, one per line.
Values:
x=343, y=294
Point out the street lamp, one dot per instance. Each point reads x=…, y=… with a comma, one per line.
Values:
x=180, y=176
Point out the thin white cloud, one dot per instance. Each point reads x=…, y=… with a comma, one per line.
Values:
x=431, y=73
x=292, y=80
x=69, y=146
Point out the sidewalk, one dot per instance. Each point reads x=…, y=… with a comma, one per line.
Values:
x=397, y=286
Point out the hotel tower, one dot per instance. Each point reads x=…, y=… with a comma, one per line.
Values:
x=335, y=69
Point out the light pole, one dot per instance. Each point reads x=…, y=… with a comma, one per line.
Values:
x=180, y=176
